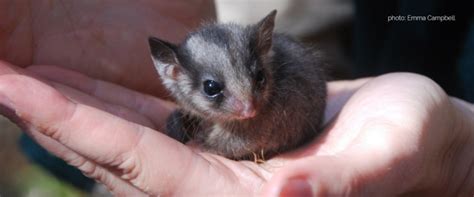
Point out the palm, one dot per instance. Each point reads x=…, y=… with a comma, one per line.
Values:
x=105, y=40
x=109, y=132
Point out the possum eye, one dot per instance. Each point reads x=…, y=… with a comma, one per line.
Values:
x=212, y=88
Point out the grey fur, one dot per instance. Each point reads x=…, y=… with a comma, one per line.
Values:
x=289, y=104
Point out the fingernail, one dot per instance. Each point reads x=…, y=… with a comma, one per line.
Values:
x=296, y=187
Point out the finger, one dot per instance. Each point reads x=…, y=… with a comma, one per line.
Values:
x=6, y=68
x=117, y=110
x=87, y=167
x=72, y=158
x=463, y=105
x=96, y=135
x=405, y=99
x=81, y=97
x=69, y=123
x=148, y=159
x=338, y=94
x=108, y=92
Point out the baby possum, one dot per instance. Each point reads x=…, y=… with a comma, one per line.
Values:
x=242, y=90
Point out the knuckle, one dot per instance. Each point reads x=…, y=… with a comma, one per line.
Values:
x=131, y=169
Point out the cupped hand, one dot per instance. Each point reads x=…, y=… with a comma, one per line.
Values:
x=390, y=135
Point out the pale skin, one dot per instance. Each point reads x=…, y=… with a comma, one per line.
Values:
x=389, y=135
x=105, y=40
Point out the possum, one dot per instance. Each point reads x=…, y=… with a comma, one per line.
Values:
x=242, y=91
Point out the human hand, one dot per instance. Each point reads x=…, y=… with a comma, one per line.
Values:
x=105, y=40
x=394, y=134
x=398, y=134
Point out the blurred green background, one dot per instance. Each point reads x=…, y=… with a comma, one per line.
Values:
x=19, y=177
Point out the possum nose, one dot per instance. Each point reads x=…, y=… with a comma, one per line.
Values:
x=244, y=110
x=248, y=111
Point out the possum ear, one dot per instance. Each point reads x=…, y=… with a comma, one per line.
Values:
x=265, y=32
x=164, y=58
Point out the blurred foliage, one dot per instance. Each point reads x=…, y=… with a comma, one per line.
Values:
x=18, y=177
x=33, y=181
